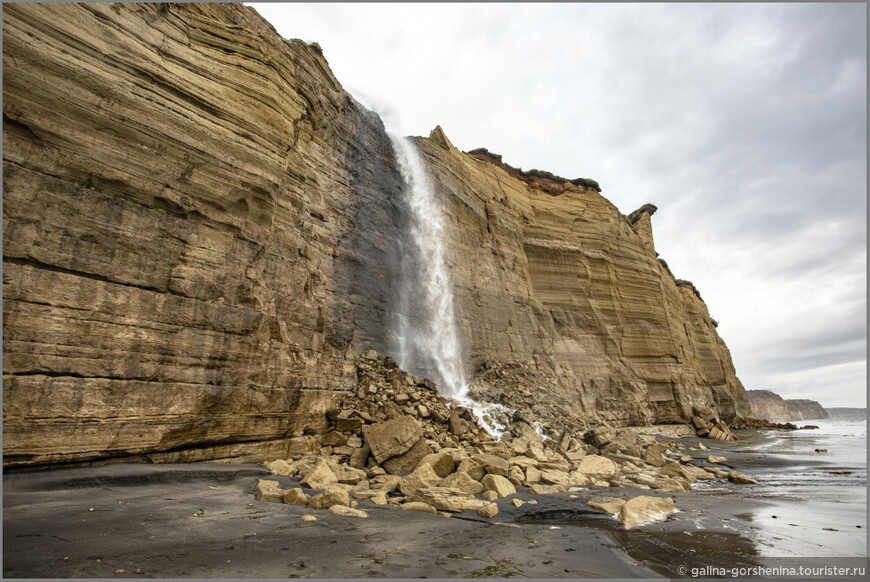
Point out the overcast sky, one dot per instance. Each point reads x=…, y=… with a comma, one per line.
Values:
x=746, y=124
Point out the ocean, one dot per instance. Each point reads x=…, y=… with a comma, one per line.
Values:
x=814, y=487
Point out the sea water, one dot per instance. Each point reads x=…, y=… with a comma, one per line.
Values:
x=816, y=502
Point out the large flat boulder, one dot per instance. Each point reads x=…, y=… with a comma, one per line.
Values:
x=645, y=509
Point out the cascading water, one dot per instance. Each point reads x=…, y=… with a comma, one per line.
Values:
x=433, y=336
x=427, y=336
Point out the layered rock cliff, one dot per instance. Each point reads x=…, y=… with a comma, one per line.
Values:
x=773, y=407
x=202, y=229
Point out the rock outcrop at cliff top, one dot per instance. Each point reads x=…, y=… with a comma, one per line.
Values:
x=201, y=233
x=773, y=407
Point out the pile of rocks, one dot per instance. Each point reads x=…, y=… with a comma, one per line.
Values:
x=707, y=424
x=397, y=442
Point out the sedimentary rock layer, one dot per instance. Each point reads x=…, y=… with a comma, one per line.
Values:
x=201, y=229
x=771, y=406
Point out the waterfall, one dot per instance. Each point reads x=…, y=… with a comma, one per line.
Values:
x=427, y=334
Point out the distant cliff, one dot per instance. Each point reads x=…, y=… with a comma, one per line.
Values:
x=771, y=406
x=202, y=230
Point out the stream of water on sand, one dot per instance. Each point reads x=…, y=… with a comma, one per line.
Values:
x=430, y=341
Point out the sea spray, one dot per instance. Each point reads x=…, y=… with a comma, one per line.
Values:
x=429, y=339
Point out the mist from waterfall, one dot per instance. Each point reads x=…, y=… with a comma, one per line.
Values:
x=426, y=333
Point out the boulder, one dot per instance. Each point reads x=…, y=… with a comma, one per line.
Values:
x=319, y=477
x=501, y=486
x=347, y=511
x=489, y=495
x=268, y=490
x=741, y=479
x=295, y=496
x=393, y=437
x=332, y=496
x=348, y=424
x=408, y=461
x=455, y=424
x=423, y=476
x=447, y=499
x=492, y=464
x=461, y=481
x=715, y=460
x=556, y=477
x=347, y=474
x=442, y=463
x=599, y=467
x=418, y=506
x=516, y=476
x=333, y=439
x=517, y=502
x=522, y=461
x=645, y=509
x=541, y=489
x=473, y=468
x=280, y=467
x=611, y=505
x=653, y=456
x=489, y=510
x=360, y=457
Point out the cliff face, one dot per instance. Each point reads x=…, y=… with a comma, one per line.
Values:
x=771, y=406
x=201, y=229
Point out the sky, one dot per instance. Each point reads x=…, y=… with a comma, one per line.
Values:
x=746, y=124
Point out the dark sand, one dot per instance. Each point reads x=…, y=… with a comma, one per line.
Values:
x=202, y=520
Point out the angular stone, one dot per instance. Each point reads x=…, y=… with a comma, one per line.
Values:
x=320, y=477
x=516, y=475
x=347, y=511
x=598, y=467
x=611, y=505
x=492, y=464
x=715, y=460
x=472, y=468
x=268, y=490
x=280, y=467
x=447, y=499
x=461, y=481
x=556, y=477
x=408, y=461
x=442, y=463
x=541, y=489
x=645, y=509
x=517, y=502
x=333, y=439
x=653, y=457
x=348, y=424
x=348, y=475
x=359, y=457
x=393, y=437
x=741, y=479
x=489, y=495
x=489, y=510
x=328, y=498
x=418, y=506
x=295, y=496
x=423, y=476
x=501, y=486
x=455, y=424
x=533, y=475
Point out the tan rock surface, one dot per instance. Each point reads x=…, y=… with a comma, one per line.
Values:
x=645, y=509
x=172, y=170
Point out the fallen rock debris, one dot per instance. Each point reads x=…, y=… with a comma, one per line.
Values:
x=396, y=441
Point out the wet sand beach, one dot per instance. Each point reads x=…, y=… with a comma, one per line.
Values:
x=202, y=520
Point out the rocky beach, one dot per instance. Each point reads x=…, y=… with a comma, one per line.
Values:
x=204, y=520
x=248, y=332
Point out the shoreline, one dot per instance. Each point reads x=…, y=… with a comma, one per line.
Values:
x=203, y=520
